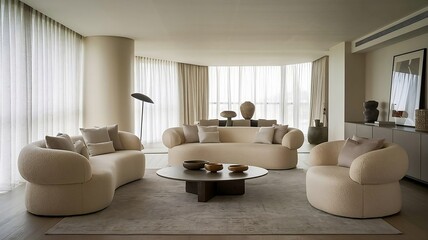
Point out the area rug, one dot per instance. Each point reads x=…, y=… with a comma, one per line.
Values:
x=274, y=204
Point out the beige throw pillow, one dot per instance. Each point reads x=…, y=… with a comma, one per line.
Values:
x=208, y=134
x=100, y=148
x=190, y=133
x=81, y=148
x=113, y=133
x=265, y=135
x=95, y=135
x=280, y=131
x=353, y=149
x=60, y=142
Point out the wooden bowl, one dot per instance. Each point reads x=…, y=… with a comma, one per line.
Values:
x=213, y=167
x=194, y=164
x=238, y=168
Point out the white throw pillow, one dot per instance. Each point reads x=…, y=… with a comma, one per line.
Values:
x=265, y=135
x=190, y=133
x=100, y=148
x=208, y=134
x=95, y=135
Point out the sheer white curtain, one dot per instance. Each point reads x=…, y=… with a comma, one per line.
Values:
x=229, y=87
x=280, y=93
x=40, y=78
x=158, y=79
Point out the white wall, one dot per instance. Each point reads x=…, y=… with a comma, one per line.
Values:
x=379, y=68
x=336, y=93
x=108, y=82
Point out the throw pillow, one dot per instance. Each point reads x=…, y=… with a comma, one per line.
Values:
x=113, y=133
x=61, y=142
x=379, y=142
x=209, y=137
x=208, y=134
x=81, y=148
x=265, y=135
x=190, y=133
x=353, y=149
x=100, y=148
x=280, y=131
x=95, y=135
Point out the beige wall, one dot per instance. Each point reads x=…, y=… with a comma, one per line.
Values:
x=379, y=67
x=354, y=85
x=336, y=92
x=108, y=82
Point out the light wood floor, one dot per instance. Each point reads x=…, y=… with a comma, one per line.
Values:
x=17, y=223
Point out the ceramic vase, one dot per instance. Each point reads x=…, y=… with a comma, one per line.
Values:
x=247, y=110
x=370, y=113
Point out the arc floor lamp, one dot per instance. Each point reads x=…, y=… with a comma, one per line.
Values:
x=143, y=98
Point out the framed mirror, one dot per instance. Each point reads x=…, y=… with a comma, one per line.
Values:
x=407, y=81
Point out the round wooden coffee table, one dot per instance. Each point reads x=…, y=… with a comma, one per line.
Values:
x=206, y=184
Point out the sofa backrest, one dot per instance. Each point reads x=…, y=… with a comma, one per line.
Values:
x=238, y=134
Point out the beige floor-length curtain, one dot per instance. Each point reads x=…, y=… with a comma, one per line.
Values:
x=319, y=95
x=193, y=84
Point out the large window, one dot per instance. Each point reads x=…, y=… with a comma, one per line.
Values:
x=40, y=82
x=281, y=93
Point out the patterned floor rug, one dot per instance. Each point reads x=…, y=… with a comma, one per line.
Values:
x=274, y=204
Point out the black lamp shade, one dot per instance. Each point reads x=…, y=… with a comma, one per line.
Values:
x=142, y=97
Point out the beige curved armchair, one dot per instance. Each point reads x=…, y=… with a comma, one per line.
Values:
x=369, y=188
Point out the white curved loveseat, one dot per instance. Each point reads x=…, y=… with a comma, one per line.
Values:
x=236, y=146
x=62, y=183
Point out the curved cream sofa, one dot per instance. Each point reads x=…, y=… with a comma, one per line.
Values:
x=369, y=188
x=62, y=183
x=236, y=146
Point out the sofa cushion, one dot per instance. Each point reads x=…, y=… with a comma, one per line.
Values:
x=100, y=148
x=353, y=149
x=208, y=134
x=60, y=142
x=265, y=135
x=95, y=135
x=190, y=133
x=280, y=131
x=113, y=133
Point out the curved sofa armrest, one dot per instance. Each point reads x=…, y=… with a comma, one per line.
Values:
x=385, y=165
x=326, y=153
x=130, y=141
x=173, y=137
x=293, y=139
x=50, y=166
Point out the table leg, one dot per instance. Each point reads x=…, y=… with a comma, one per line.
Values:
x=207, y=190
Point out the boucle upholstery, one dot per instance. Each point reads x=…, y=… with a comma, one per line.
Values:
x=369, y=188
x=236, y=146
x=62, y=183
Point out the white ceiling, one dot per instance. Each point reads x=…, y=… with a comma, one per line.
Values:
x=229, y=32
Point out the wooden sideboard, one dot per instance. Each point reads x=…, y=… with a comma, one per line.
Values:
x=414, y=142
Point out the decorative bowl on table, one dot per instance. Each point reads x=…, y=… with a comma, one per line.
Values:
x=237, y=168
x=194, y=164
x=213, y=167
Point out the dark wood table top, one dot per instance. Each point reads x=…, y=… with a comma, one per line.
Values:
x=183, y=174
